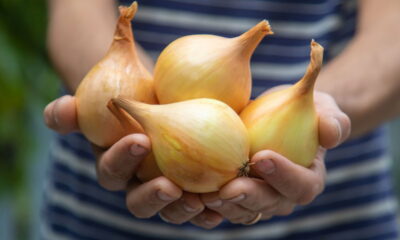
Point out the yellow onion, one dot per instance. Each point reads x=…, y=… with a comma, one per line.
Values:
x=148, y=168
x=208, y=66
x=286, y=121
x=120, y=72
x=199, y=144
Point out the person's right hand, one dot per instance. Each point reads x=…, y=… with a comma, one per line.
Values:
x=116, y=170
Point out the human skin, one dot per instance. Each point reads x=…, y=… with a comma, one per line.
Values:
x=274, y=192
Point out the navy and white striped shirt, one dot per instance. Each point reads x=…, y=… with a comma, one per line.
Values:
x=358, y=201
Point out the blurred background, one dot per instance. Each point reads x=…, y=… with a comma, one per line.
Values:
x=27, y=84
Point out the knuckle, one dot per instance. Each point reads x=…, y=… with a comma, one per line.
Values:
x=112, y=170
x=271, y=206
x=242, y=219
x=310, y=194
x=266, y=217
x=286, y=211
x=305, y=199
x=175, y=214
x=171, y=219
x=209, y=227
x=201, y=224
x=270, y=209
x=153, y=202
x=137, y=211
x=106, y=184
x=237, y=220
x=143, y=208
x=177, y=221
x=158, y=184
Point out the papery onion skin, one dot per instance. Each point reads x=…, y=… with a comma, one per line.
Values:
x=120, y=72
x=286, y=121
x=148, y=169
x=208, y=66
x=198, y=144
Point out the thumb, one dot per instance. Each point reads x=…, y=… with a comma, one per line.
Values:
x=60, y=115
x=118, y=164
x=297, y=183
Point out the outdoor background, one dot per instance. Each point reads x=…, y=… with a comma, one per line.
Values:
x=27, y=84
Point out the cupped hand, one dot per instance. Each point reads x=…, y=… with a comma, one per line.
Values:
x=116, y=170
x=282, y=184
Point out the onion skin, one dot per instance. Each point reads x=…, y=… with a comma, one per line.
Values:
x=208, y=66
x=120, y=72
x=286, y=121
x=198, y=144
x=148, y=169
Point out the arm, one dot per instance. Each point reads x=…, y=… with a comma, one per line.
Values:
x=365, y=78
x=74, y=44
x=282, y=184
x=79, y=34
x=365, y=82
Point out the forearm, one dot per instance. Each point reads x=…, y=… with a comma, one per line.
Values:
x=365, y=78
x=79, y=35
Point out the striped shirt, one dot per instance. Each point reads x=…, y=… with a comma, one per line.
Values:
x=358, y=201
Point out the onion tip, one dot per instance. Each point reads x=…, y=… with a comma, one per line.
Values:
x=129, y=12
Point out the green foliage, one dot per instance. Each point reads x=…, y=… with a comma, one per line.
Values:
x=26, y=80
x=27, y=84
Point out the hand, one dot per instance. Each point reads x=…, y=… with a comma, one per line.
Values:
x=116, y=170
x=283, y=184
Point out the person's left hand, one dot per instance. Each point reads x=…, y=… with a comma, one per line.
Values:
x=282, y=184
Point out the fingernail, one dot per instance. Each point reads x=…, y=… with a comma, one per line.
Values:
x=189, y=208
x=210, y=222
x=137, y=150
x=265, y=166
x=47, y=117
x=207, y=220
x=238, y=198
x=216, y=203
x=338, y=129
x=54, y=113
x=165, y=197
x=163, y=218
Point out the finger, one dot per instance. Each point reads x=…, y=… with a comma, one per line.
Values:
x=207, y=219
x=285, y=208
x=299, y=184
x=187, y=207
x=251, y=193
x=231, y=211
x=116, y=166
x=60, y=115
x=147, y=199
x=334, y=126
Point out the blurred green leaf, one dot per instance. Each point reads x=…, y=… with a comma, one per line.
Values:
x=27, y=81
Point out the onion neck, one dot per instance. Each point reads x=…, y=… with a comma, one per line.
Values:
x=134, y=108
x=123, y=36
x=306, y=84
x=249, y=40
x=126, y=121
